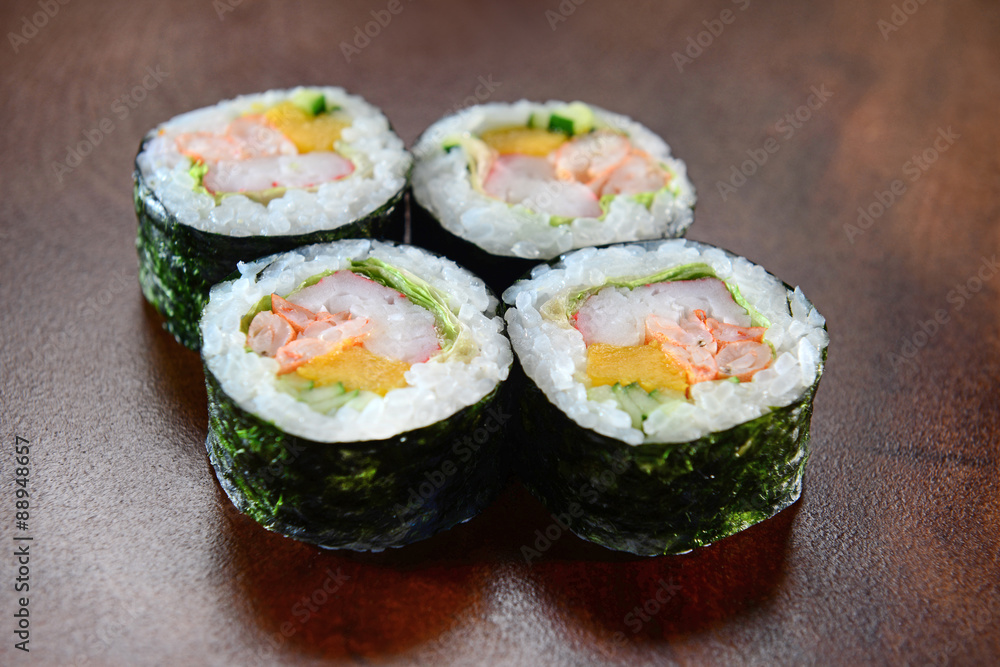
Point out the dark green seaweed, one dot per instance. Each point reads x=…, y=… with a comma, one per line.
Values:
x=654, y=499
x=178, y=264
x=361, y=495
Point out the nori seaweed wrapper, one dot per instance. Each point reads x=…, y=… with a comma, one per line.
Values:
x=178, y=264
x=653, y=499
x=364, y=496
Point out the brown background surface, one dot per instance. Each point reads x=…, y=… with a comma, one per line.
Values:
x=891, y=556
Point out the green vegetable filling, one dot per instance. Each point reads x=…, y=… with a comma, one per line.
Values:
x=326, y=399
x=636, y=401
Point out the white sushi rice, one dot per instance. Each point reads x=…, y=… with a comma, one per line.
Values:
x=380, y=159
x=554, y=355
x=441, y=185
x=437, y=389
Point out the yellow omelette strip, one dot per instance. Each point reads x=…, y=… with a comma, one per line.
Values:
x=645, y=364
x=356, y=368
x=524, y=140
x=309, y=133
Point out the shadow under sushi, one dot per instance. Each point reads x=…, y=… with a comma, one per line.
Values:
x=623, y=598
x=177, y=370
x=343, y=604
x=306, y=600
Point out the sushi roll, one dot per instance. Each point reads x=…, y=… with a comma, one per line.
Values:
x=257, y=175
x=503, y=186
x=669, y=390
x=354, y=393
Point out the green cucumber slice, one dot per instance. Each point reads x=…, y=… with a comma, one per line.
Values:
x=602, y=393
x=538, y=120
x=642, y=400
x=574, y=118
x=295, y=384
x=315, y=395
x=333, y=403
x=626, y=400
x=562, y=124
x=310, y=101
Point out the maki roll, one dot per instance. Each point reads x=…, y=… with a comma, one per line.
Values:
x=256, y=175
x=669, y=392
x=354, y=393
x=504, y=186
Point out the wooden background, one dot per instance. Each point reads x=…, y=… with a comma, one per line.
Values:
x=891, y=557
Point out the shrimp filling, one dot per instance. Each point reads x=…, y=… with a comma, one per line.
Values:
x=549, y=172
x=261, y=155
x=342, y=337
x=666, y=337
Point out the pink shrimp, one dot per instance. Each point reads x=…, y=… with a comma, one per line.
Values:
x=590, y=158
x=268, y=333
x=698, y=363
x=322, y=336
x=531, y=181
x=207, y=147
x=330, y=329
x=690, y=332
x=301, y=351
x=731, y=333
x=297, y=316
x=245, y=137
x=251, y=155
x=256, y=137
x=742, y=359
x=570, y=180
x=256, y=174
x=708, y=349
x=294, y=335
x=636, y=173
x=689, y=344
x=608, y=164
